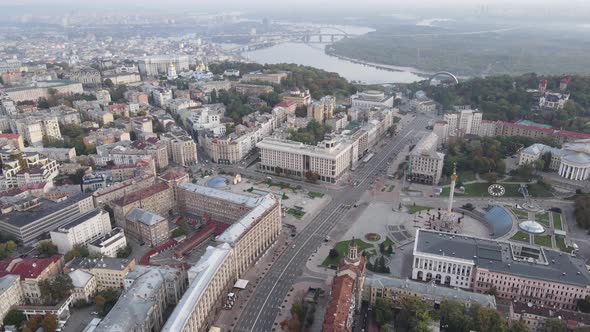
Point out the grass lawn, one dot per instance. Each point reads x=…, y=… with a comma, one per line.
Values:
x=417, y=208
x=480, y=189
x=537, y=190
x=543, y=218
x=560, y=242
x=465, y=176
x=314, y=194
x=557, y=220
x=543, y=240
x=387, y=242
x=342, y=248
x=296, y=213
x=269, y=183
x=521, y=237
x=522, y=215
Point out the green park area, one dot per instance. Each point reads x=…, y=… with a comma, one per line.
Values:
x=314, y=194
x=342, y=249
x=417, y=208
x=557, y=221
x=543, y=240
x=296, y=213
x=480, y=189
x=521, y=236
x=543, y=218
x=520, y=214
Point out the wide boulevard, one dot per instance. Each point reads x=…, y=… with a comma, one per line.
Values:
x=264, y=304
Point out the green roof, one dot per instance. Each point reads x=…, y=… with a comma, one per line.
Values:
x=534, y=124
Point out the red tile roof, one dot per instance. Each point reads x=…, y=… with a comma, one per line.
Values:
x=339, y=305
x=27, y=267
x=286, y=103
x=173, y=174
x=9, y=136
x=565, y=133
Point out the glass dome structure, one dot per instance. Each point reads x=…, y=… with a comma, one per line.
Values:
x=531, y=226
x=217, y=182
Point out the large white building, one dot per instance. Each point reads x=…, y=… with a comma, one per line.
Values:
x=256, y=224
x=426, y=163
x=108, y=244
x=42, y=89
x=371, y=98
x=327, y=160
x=81, y=230
x=572, y=161
x=517, y=271
x=158, y=64
x=464, y=122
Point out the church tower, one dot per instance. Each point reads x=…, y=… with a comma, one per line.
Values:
x=353, y=255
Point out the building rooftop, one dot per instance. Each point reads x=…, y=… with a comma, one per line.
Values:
x=339, y=305
x=107, y=263
x=106, y=239
x=140, y=298
x=7, y=281
x=235, y=231
x=221, y=195
x=26, y=267
x=200, y=276
x=80, y=220
x=432, y=291
x=500, y=256
x=427, y=147
x=80, y=278
x=141, y=194
x=568, y=316
x=145, y=217
x=46, y=208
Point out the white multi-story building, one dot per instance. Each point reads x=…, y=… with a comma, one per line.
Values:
x=464, y=122
x=161, y=96
x=426, y=163
x=34, y=128
x=85, y=286
x=205, y=118
x=572, y=161
x=371, y=98
x=42, y=89
x=81, y=230
x=108, y=244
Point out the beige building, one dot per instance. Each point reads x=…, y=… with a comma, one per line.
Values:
x=11, y=294
x=426, y=163
x=254, y=228
x=120, y=189
x=109, y=272
x=85, y=286
x=81, y=230
x=252, y=89
x=34, y=128
x=147, y=227
x=182, y=148
x=158, y=198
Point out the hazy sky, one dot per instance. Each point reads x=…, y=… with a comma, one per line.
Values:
x=312, y=7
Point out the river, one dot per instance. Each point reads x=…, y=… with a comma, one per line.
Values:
x=313, y=55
